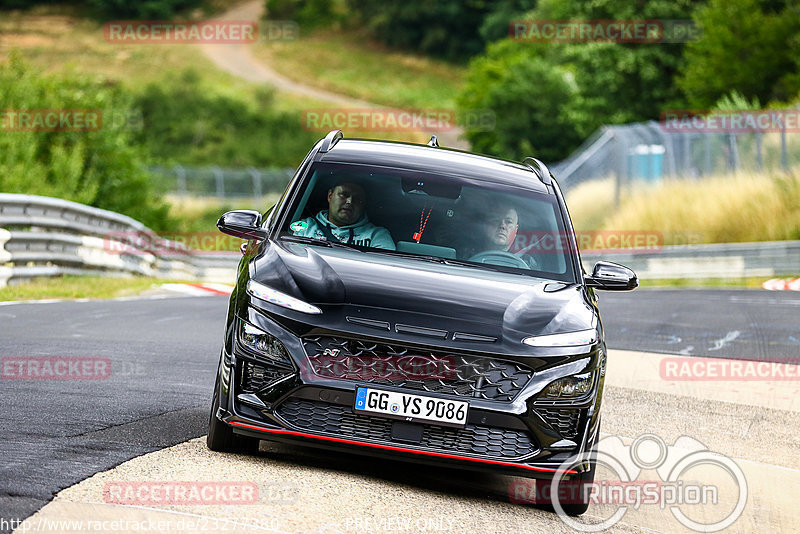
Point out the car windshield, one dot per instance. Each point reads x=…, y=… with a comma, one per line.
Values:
x=431, y=217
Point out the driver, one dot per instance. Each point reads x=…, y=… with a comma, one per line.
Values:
x=345, y=220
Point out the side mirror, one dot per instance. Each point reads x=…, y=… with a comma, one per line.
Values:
x=245, y=224
x=612, y=276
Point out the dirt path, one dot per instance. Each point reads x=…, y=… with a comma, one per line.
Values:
x=239, y=61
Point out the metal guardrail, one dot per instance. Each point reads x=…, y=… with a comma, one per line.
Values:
x=43, y=236
x=721, y=260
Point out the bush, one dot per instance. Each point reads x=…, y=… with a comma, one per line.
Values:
x=118, y=9
x=193, y=123
x=565, y=91
x=450, y=29
x=101, y=168
x=306, y=13
x=530, y=100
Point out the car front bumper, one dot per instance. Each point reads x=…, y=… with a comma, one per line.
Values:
x=518, y=436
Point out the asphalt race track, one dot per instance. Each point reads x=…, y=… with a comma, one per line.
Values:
x=57, y=432
x=163, y=352
x=741, y=324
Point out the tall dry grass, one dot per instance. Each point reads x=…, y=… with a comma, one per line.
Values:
x=721, y=209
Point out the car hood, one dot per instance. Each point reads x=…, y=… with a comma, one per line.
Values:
x=413, y=290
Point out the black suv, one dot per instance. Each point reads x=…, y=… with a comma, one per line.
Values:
x=419, y=303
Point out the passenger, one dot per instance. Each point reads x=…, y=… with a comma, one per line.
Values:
x=500, y=229
x=497, y=231
x=345, y=220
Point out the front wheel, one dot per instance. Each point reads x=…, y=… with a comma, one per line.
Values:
x=575, y=491
x=221, y=437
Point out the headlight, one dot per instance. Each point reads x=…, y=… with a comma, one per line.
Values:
x=280, y=299
x=570, y=339
x=569, y=386
x=263, y=344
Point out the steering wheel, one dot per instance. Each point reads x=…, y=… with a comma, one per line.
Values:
x=500, y=257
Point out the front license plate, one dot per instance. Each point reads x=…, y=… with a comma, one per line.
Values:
x=410, y=407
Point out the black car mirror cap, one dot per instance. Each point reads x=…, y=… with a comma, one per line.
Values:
x=612, y=277
x=245, y=224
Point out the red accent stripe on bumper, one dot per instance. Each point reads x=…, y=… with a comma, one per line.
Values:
x=401, y=449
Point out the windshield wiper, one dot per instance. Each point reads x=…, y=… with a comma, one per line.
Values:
x=314, y=241
x=306, y=240
x=439, y=259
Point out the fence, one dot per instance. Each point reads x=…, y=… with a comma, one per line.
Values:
x=650, y=151
x=45, y=237
x=722, y=260
x=222, y=183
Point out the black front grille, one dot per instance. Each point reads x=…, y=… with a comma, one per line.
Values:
x=417, y=369
x=256, y=377
x=338, y=420
x=564, y=421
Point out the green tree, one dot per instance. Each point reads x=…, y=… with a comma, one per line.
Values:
x=189, y=122
x=747, y=45
x=100, y=167
x=529, y=99
x=609, y=82
x=450, y=29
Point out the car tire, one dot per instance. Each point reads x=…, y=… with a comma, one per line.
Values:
x=585, y=479
x=221, y=437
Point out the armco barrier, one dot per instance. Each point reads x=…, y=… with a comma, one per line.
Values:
x=43, y=236
x=721, y=260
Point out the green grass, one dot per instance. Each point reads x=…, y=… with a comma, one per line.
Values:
x=721, y=209
x=352, y=65
x=55, y=40
x=78, y=287
x=62, y=43
x=200, y=214
x=702, y=283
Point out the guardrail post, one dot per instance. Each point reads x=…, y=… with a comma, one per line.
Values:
x=256, y=175
x=784, y=155
x=180, y=172
x=220, y=179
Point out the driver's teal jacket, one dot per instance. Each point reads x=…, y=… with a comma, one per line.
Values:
x=362, y=232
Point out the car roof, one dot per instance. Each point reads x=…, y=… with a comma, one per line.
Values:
x=434, y=159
